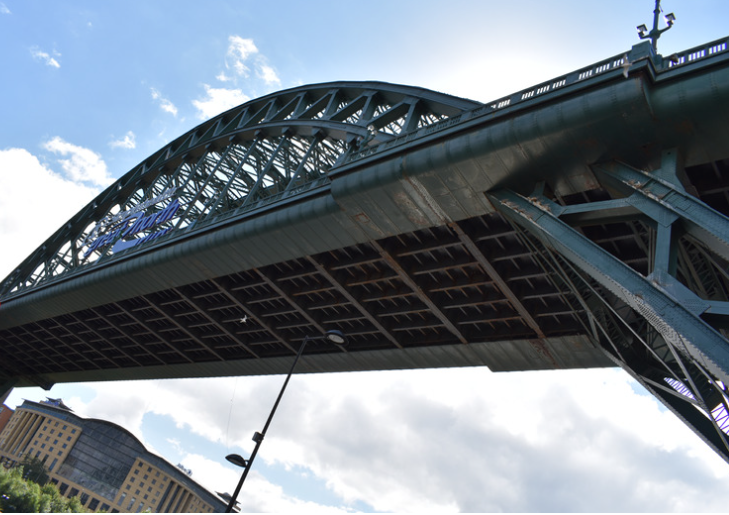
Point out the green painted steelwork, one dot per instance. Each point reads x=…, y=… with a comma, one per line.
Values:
x=568, y=225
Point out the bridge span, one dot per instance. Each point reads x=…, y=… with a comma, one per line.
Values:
x=579, y=223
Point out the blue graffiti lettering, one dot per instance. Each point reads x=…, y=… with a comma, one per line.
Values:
x=142, y=223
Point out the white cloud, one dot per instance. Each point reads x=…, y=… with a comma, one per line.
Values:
x=45, y=57
x=260, y=496
x=439, y=440
x=82, y=165
x=35, y=201
x=239, y=50
x=128, y=141
x=268, y=74
x=164, y=103
x=4, y=9
x=218, y=100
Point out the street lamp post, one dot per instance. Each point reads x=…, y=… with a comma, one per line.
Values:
x=655, y=33
x=334, y=336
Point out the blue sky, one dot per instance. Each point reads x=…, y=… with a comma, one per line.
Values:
x=90, y=89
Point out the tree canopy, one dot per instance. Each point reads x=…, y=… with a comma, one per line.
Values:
x=18, y=495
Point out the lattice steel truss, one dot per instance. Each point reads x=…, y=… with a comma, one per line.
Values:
x=271, y=149
x=657, y=297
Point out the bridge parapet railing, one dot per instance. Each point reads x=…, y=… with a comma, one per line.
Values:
x=694, y=54
x=525, y=95
x=622, y=62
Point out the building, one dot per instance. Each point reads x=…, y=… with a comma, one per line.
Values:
x=102, y=463
x=5, y=414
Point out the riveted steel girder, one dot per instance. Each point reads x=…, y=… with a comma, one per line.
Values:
x=651, y=324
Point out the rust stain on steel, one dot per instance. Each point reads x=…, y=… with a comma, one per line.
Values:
x=541, y=348
x=357, y=304
x=499, y=281
x=410, y=283
x=412, y=212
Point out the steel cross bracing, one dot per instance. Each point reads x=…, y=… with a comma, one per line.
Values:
x=662, y=317
x=265, y=151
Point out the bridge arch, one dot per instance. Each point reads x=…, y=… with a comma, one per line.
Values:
x=268, y=149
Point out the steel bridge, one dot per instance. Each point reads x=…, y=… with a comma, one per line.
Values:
x=579, y=223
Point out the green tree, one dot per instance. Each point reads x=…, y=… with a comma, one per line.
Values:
x=18, y=495
x=35, y=470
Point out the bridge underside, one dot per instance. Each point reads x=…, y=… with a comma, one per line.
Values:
x=471, y=293
x=483, y=291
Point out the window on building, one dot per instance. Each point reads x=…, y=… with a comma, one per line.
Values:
x=68, y=438
x=136, y=471
x=60, y=453
x=64, y=427
x=56, y=424
x=105, y=507
x=149, y=488
x=62, y=489
x=73, y=431
x=145, y=496
x=154, y=481
x=131, y=503
x=141, y=507
x=55, y=460
x=65, y=445
x=37, y=454
x=129, y=486
x=131, y=480
x=51, y=432
x=93, y=504
x=146, y=476
x=121, y=498
x=84, y=498
x=73, y=492
x=55, y=442
x=141, y=485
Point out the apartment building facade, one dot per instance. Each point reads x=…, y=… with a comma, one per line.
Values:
x=102, y=463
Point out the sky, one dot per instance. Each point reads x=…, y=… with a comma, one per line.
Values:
x=90, y=89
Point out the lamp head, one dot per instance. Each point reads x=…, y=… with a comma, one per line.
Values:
x=642, y=30
x=237, y=459
x=670, y=19
x=336, y=337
